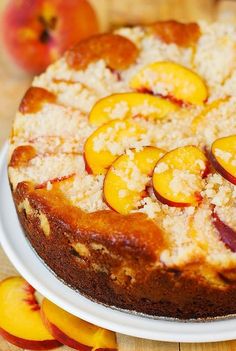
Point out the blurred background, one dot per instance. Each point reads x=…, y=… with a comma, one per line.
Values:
x=109, y=13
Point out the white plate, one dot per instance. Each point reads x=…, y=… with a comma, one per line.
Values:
x=41, y=278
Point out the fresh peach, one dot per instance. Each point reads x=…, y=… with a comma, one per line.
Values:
x=125, y=105
x=34, y=98
x=223, y=157
x=74, y=332
x=118, y=52
x=173, y=32
x=177, y=178
x=127, y=178
x=227, y=234
x=20, y=321
x=171, y=80
x=207, y=109
x=36, y=33
x=108, y=142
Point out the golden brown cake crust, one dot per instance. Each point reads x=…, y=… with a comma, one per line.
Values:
x=116, y=261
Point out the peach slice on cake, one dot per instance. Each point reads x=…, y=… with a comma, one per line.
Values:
x=34, y=98
x=171, y=80
x=117, y=51
x=173, y=32
x=127, y=178
x=177, y=178
x=223, y=157
x=75, y=332
x=126, y=105
x=20, y=321
x=227, y=233
x=109, y=141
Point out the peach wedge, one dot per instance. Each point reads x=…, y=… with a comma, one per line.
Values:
x=223, y=157
x=126, y=105
x=171, y=80
x=75, y=332
x=126, y=180
x=177, y=178
x=20, y=321
x=108, y=142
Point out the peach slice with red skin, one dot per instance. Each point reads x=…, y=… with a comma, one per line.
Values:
x=74, y=332
x=171, y=80
x=173, y=32
x=177, y=177
x=130, y=105
x=117, y=51
x=34, y=98
x=105, y=144
x=227, y=234
x=20, y=321
x=127, y=178
x=223, y=157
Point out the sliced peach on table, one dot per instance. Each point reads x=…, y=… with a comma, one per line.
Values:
x=108, y=142
x=117, y=51
x=126, y=105
x=177, y=178
x=223, y=157
x=34, y=98
x=127, y=178
x=173, y=32
x=207, y=109
x=171, y=80
x=74, y=332
x=20, y=321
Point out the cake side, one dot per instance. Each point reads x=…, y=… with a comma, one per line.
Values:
x=122, y=271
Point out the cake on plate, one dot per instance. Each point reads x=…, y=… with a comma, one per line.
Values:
x=122, y=165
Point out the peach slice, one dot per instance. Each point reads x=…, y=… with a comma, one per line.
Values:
x=171, y=80
x=223, y=157
x=20, y=321
x=173, y=32
x=177, y=178
x=75, y=332
x=126, y=105
x=34, y=99
x=22, y=155
x=207, y=108
x=126, y=180
x=109, y=141
x=227, y=234
x=118, y=52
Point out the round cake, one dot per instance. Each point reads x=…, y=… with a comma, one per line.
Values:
x=122, y=165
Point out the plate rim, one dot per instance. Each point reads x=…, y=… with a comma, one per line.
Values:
x=117, y=321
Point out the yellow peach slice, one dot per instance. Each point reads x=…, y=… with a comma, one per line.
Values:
x=109, y=141
x=126, y=180
x=207, y=109
x=20, y=321
x=74, y=332
x=177, y=178
x=126, y=105
x=223, y=157
x=171, y=80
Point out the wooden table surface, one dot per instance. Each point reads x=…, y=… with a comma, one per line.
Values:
x=13, y=86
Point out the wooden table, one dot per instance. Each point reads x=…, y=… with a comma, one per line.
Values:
x=13, y=86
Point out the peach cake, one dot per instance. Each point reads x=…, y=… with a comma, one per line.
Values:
x=122, y=165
